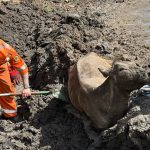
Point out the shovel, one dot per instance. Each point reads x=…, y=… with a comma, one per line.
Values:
x=59, y=94
x=19, y=94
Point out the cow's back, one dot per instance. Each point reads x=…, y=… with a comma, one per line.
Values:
x=88, y=73
x=84, y=78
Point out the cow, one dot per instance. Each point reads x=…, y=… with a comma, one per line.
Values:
x=101, y=88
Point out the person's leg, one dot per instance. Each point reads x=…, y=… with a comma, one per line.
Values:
x=8, y=104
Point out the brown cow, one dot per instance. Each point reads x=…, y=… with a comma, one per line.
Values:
x=101, y=89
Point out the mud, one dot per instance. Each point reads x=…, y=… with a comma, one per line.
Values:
x=51, y=36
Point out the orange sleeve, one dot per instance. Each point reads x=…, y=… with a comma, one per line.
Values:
x=16, y=61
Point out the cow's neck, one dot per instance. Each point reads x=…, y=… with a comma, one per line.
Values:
x=113, y=95
x=111, y=101
x=120, y=95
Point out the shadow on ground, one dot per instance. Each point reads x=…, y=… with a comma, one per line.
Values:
x=59, y=130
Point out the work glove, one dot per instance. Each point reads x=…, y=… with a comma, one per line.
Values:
x=15, y=76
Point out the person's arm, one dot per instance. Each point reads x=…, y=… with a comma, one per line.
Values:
x=17, y=62
x=26, y=91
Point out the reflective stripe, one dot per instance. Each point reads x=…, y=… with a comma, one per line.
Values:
x=2, y=46
x=23, y=67
x=7, y=46
x=7, y=111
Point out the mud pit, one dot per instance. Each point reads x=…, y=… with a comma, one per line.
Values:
x=51, y=36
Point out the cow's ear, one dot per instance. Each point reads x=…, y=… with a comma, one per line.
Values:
x=106, y=72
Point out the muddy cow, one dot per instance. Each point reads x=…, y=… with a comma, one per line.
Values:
x=101, y=88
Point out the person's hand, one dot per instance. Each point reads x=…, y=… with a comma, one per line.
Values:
x=26, y=93
x=15, y=76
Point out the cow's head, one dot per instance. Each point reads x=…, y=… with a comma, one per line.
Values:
x=128, y=75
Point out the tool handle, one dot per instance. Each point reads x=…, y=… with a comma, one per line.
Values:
x=19, y=94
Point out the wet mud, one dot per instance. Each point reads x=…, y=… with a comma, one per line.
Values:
x=51, y=36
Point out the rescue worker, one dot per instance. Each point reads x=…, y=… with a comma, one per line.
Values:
x=8, y=56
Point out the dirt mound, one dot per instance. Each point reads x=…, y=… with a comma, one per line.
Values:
x=51, y=36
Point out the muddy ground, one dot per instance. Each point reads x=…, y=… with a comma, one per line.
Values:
x=51, y=35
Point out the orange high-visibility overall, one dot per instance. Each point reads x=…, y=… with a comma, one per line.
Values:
x=8, y=56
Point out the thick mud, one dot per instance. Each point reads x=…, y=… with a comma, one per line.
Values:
x=51, y=36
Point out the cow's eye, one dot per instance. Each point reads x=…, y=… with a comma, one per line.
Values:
x=121, y=69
